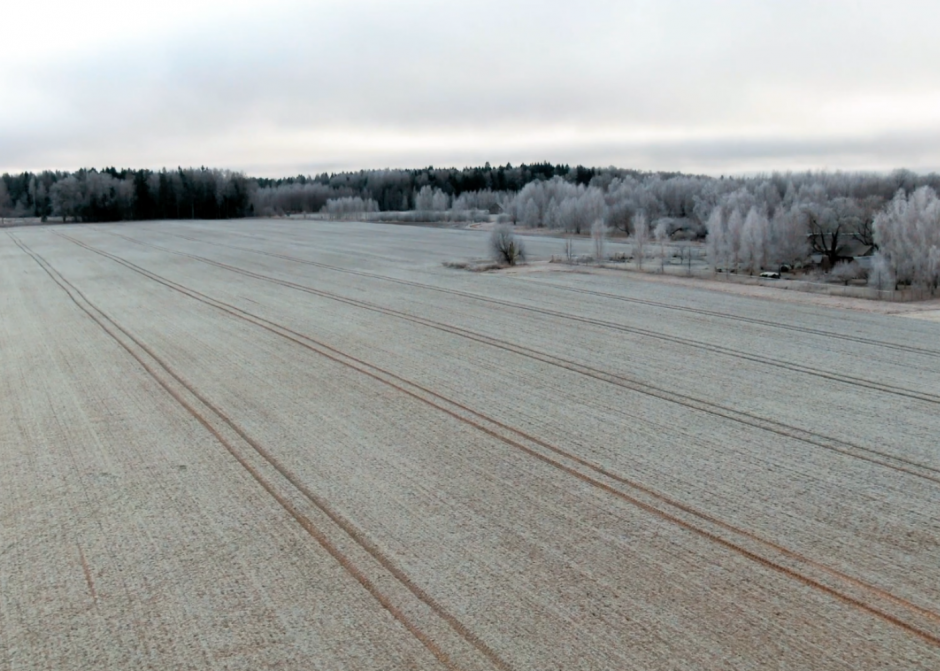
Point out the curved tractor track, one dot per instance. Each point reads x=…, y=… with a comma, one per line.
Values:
x=784, y=561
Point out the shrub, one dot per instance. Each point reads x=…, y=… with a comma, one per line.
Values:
x=505, y=247
x=846, y=272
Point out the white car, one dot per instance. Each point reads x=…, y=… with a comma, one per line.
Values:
x=770, y=275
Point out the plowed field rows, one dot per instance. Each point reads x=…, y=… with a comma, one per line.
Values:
x=308, y=445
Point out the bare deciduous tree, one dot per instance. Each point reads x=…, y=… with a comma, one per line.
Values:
x=831, y=225
x=864, y=231
x=505, y=246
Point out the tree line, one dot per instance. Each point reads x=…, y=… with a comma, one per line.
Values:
x=127, y=195
x=190, y=193
x=749, y=223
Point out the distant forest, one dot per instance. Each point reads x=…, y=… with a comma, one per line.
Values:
x=533, y=194
x=883, y=227
x=110, y=194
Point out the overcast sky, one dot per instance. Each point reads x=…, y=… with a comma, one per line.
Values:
x=285, y=87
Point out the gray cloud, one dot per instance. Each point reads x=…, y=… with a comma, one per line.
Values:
x=677, y=84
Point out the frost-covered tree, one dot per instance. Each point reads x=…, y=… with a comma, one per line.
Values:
x=933, y=268
x=505, y=247
x=290, y=198
x=105, y=197
x=787, y=239
x=907, y=233
x=599, y=234
x=755, y=235
x=553, y=215
x=735, y=229
x=881, y=276
x=661, y=233
x=868, y=209
x=641, y=234
x=531, y=216
x=593, y=204
x=620, y=215
x=431, y=199
x=717, y=240
x=580, y=210
x=67, y=197
x=349, y=208
x=833, y=214
x=536, y=198
x=485, y=199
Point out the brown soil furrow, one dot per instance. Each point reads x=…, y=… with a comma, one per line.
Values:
x=880, y=458
x=87, y=570
x=304, y=522
x=672, y=517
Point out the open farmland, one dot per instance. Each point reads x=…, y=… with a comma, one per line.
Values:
x=308, y=445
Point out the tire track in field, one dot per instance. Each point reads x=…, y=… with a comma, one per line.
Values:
x=86, y=569
x=896, y=463
x=748, y=320
x=640, y=301
x=596, y=479
x=715, y=349
x=318, y=535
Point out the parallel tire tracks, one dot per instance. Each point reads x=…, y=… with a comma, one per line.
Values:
x=871, y=455
x=102, y=319
x=612, y=483
x=749, y=320
x=687, y=342
x=627, y=299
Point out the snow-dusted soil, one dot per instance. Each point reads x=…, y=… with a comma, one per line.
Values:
x=308, y=445
x=929, y=315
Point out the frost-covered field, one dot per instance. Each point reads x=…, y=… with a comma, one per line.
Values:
x=308, y=445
